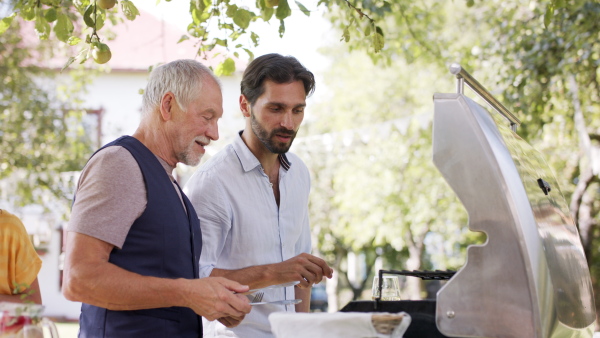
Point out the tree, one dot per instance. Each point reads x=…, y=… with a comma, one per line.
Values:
x=375, y=190
x=41, y=135
x=542, y=57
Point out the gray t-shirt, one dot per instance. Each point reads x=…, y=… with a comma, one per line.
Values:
x=111, y=195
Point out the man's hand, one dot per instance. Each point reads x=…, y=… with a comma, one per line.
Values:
x=230, y=321
x=214, y=298
x=305, y=268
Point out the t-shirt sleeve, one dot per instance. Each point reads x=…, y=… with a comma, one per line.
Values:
x=28, y=262
x=110, y=196
x=210, y=202
x=22, y=263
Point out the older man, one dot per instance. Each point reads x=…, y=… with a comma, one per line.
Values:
x=252, y=197
x=134, y=241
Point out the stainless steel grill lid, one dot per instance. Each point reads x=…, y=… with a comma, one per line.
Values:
x=530, y=278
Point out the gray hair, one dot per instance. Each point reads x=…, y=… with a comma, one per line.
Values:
x=184, y=78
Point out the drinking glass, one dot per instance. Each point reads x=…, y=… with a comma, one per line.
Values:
x=390, y=288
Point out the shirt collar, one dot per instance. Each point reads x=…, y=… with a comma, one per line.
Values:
x=247, y=158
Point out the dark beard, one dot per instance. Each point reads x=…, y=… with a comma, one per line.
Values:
x=266, y=137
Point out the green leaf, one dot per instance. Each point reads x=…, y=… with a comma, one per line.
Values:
x=281, y=28
x=183, y=38
x=378, y=41
x=231, y=10
x=303, y=9
x=250, y=54
x=73, y=40
x=368, y=29
x=225, y=68
x=83, y=55
x=198, y=4
x=5, y=22
x=255, y=38
x=267, y=13
x=283, y=11
x=87, y=16
x=129, y=9
x=69, y=62
x=28, y=13
x=199, y=17
x=196, y=31
x=470, y=3
x=94, y=20
x=50, y=14
x=221, y=42
x=227, y=26
x=345, y=34
x=242, y=18
x=100, y=15
x=235, y=35
x=548, y=15
x=42, y=27
x=63, y=27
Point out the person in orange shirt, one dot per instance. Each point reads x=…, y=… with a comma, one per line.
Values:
x=19, y=263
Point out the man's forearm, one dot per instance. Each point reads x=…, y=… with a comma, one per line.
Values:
x=304, y=268
x=90, y=278
x=304, y=294
x=257, y=276
x=114, y=288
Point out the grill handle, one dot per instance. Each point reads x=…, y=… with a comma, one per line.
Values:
x=463, y=76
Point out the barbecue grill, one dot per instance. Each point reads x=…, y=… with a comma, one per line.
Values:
x=530, y=278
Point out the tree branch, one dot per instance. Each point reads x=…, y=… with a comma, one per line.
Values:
x=585, y=179
x=580, y=126
x=437, y=54
x=359, y=11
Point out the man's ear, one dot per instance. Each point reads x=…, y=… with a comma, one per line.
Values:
x=166, y=106
x=244, y=106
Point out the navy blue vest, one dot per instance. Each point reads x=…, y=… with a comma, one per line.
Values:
x=164, y=241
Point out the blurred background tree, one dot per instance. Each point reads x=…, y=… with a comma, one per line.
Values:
x=540, y=58
x=42, y=138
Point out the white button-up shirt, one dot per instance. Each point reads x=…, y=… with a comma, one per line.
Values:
x=242, y=225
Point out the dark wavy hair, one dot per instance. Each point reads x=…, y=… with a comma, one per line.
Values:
x=277, y=68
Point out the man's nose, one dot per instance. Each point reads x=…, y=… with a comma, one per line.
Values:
x=287, y=121
x=213, y=131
